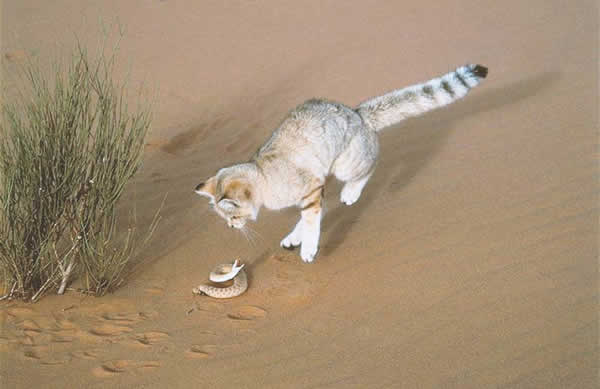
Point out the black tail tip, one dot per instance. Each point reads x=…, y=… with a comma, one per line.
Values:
x=480, y=71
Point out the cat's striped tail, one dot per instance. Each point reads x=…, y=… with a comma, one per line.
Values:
x=393, y=107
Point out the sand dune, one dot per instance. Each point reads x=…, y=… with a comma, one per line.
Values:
x=469, y=262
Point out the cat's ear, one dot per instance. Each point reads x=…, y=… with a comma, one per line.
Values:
x=207, y=188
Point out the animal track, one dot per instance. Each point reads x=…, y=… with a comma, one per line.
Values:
x=43, y=356
x=65, y=325
x=288, y=279
x=105, y=330
x=85, y=354
x=112, y=368
x=201, y=352
x=123, y=318
x=154, y=290
x=30, y=325
x=58, y=361
x=16, y=55
x=60, y=337
x=151, y=337
x=148, y=314
x=210, y=307
x=148, y=365
x=20, y=311
x=33, y=353
x=26, y=341
x=153, y=286
x=283, y=258
x=247, y=332
x=247, y=312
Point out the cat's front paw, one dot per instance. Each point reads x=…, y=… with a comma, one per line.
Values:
x=308, y=252
x=290, y=242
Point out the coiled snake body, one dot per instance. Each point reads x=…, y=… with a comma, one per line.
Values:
x=221, y=273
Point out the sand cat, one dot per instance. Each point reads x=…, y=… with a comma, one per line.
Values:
x=315, y=140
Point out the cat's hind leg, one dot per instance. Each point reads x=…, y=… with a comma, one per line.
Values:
x=353, y=189
x=356, y=164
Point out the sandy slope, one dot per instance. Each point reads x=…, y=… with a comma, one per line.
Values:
x=470, y=260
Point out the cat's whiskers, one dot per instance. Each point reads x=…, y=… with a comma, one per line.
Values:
x=251, y=235
x=244, y=232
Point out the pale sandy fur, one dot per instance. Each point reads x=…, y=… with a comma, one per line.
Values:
x=321, y=138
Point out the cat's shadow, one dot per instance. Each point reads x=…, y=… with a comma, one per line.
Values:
x=424, y=137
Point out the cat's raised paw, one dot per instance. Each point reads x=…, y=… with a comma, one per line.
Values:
x=349, y=197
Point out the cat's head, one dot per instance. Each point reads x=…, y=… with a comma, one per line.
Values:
x=233, y=196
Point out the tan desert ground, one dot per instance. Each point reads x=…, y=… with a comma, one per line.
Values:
x=470, y=261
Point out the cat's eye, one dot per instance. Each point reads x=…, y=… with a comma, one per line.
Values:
x=228, y=204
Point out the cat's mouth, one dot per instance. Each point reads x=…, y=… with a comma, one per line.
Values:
x=236, y=223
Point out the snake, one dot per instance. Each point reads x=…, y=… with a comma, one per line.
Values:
x=221, y=273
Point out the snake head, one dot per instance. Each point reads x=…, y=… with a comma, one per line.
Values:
x=236, y=267
x=225, y=272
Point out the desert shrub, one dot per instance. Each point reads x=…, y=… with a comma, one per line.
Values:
x=68, y=146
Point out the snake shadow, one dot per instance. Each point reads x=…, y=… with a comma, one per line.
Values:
x=422, y=138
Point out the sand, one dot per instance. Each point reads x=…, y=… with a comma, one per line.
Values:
x=471, y=260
